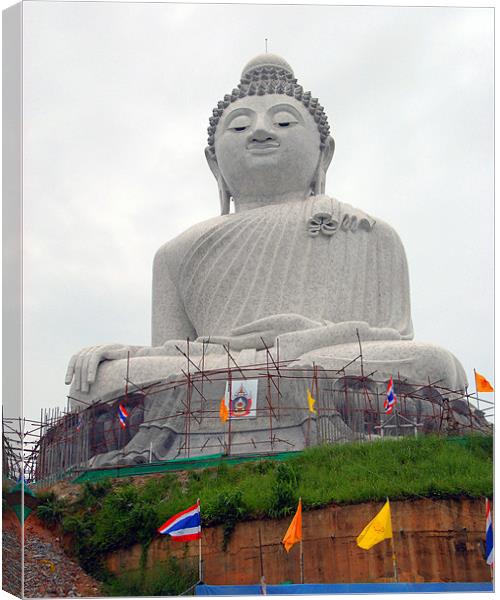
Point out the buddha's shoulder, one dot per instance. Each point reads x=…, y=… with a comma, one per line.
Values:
x=178, y=246
x=383, y=231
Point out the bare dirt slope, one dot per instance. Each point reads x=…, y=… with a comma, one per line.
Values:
x=435, y=540
x=48, y=571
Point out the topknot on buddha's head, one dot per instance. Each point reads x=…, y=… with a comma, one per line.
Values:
x=269, y=74
x=268, y=61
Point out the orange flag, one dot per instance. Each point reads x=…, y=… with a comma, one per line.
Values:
x=294, y=532
x=223, y=411
x=482, y=384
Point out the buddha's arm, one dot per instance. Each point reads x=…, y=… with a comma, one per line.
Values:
x=169, y=322
x=263, y=332
x=297, y=343
x=298, y=335
x=169, y=319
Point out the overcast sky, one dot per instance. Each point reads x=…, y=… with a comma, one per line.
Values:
x=116, y=104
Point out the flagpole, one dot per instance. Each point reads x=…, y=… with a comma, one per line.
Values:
x=475, y=385
x=396, y=409
x=394, y=561
x=486, y=542
x=126, y=380
x=301, y=551
x=318, y=424
x=260, y=556
x=230, y=400
x=301, y=563
x=308, y=427
x=200, y=564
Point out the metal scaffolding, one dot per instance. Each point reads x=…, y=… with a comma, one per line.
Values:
x=347, y=407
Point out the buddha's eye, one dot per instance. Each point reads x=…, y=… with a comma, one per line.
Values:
x=239, y=123
x=284, y=119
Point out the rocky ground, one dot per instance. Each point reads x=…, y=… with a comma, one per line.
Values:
x=48, y=571
x=11, y=562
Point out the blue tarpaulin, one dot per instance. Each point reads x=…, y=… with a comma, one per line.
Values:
x=343, y=588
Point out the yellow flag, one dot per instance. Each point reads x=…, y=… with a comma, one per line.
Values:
x=378, y=529
x=311, y=401
x=482, y=384
x=223, y=411
x=294, y=532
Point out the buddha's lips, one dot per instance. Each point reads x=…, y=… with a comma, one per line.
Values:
x=262, y=147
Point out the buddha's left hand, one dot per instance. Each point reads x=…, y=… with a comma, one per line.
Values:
x=263, y=332
x=297, y=343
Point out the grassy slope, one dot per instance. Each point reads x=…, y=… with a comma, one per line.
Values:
x=108, y=517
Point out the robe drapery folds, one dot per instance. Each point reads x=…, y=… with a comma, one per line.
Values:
x=318, y=258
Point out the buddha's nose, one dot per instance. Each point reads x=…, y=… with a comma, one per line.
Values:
x=262, y=132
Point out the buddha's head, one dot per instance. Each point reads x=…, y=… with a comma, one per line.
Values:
x=268, y=139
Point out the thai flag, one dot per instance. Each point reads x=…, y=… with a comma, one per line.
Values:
x=490, y=555
x=184, y=526
x=390, y=401
x=122, y=415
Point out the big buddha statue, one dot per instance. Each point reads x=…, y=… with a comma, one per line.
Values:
x=283, y=264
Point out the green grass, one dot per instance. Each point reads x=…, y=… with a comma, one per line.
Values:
x=108, y=517
x=407, y=468
x=167, y=579
x=51, y=509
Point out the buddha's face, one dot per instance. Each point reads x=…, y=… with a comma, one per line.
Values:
x=267, y=146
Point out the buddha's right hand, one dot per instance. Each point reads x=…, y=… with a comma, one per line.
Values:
x=82, y=367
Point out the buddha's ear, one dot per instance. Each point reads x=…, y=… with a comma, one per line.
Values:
x=212, y=161
x=327, y=152
x=224, y=193
x=318, y=185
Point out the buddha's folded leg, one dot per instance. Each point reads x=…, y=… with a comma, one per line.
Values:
x=416, y=362
x=157, y=421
